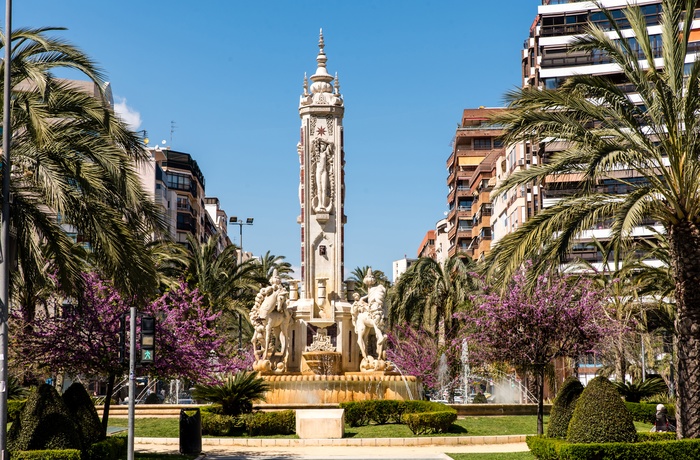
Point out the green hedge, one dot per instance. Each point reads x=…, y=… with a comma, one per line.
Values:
x=270, y=423
x=66, y=454
x=656, y=436
x=644, y=412
x=429, y=422
x=382, y=411
x=112, y=448
x=220, y=425
x=556, y=449
x=14, y=407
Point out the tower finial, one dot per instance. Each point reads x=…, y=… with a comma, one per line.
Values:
x=321, y=79
x=336, y=84
x=306, y=85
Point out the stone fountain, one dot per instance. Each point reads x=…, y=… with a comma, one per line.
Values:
x=312, y=344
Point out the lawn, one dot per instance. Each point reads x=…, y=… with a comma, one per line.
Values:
x=468, y=426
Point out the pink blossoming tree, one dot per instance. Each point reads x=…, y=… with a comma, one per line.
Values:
x=529, y=327
x=84, y=338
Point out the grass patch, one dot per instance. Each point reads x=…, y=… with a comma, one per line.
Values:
x=150, y=427
x=495, y=456
x=467, y=426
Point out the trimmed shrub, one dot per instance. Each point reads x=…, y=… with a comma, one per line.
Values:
x=425, y=406
x=601, y=416
x=270, y=423
x=543, y=448
x=656, y=436
x=14, y=407
x=554, y=449
x=646, y=412
x=220, y=425
x=355, y=413
x=153, y=399
x=83, y=413
x=429, y=422
x=65, y=454
x=44, y=423
x=686, y=449
x=112, y=448
x=479, y=398
x=563, y=408
x=381, y=411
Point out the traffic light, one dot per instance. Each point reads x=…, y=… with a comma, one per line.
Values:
x=148, y=339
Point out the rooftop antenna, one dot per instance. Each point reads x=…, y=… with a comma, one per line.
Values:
x=172, y=130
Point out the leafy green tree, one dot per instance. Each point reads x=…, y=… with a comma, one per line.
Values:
x=654, y=136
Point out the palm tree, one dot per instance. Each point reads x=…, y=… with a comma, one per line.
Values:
x=429, y=293
x=270, y=262
x=235, y=394
x=228, y=287
x=656, y=136
x=358, y=276
x=73, y=173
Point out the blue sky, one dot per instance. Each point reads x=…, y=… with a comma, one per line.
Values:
x=229, y=73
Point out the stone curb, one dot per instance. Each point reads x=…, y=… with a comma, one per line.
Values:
x=344, y=442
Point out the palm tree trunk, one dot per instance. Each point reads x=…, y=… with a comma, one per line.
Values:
x=684, y=241
x=108, y=402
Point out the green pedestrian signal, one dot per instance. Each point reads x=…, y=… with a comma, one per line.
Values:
x=148, y=339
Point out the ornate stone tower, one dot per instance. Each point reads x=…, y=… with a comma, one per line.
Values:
x=322, y=308
x=321, y=188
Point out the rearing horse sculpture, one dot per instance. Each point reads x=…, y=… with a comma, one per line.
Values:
x=271, y=319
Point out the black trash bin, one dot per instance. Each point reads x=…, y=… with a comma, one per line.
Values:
x=190, y=431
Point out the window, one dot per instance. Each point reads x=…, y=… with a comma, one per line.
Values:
x=482, y=143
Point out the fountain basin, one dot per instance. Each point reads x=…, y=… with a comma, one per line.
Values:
x=321, y=362
x=334, y=389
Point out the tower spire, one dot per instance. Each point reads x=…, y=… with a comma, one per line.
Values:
x=321, y=79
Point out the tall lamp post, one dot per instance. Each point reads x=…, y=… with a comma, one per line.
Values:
x=236, y=221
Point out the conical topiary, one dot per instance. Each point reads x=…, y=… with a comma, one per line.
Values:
x=44, y=423
x=82, y=410
x=563, y=408
x=601, y=415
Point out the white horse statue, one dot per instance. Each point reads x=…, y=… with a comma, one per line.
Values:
x=367, y=315
x=271, y=319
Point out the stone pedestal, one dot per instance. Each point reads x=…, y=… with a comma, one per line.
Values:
x=320, y=423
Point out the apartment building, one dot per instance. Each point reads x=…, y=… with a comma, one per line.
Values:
x=546, y=63
x=471, y=171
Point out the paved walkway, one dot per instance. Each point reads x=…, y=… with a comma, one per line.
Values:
x=346, y=448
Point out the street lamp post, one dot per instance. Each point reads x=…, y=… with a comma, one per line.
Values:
x=236, y=221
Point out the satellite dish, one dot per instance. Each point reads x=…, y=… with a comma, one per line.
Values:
x=163, y=142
